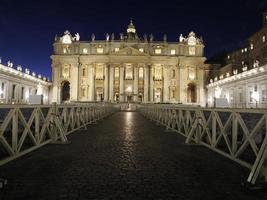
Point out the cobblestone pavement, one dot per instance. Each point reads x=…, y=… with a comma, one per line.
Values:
x=125, y=157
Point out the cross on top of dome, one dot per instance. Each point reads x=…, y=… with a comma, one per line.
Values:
x=131, y=27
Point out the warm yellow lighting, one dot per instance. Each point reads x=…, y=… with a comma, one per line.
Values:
x=157, y=51
x=117, y=49
x=141, y=50
x=99, y=50
x=173, y=51
x=85, y=50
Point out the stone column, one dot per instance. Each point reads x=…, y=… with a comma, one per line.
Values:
x=106, y=83
x=151, y=84
x=165, y=84
x=111, y=83
x=74, y=76
x=93, y=83
x=146, y=80
x=136, y=83
x=122, y=83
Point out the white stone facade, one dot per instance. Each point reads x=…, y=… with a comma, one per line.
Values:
x=129, y=69
x=16, y=86
x=246, y=89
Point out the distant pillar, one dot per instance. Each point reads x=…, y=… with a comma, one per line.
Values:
x=146, y=80
x=106, y=83
x=111, y=83
x=121, y=83
x=136, y=83
x=151, y=84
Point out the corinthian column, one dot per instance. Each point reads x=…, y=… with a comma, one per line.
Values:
x=122, y=83
x=106, y=83
x=135, y=83
x=111, y=83
x=151, y=84
x=146, y=80
x=165, y=84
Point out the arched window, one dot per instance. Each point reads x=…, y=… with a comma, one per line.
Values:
x=191, y=93
x=65, y=88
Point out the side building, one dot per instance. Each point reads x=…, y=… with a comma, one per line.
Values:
x=130, y=68
x=243, y=80
x=16, y=86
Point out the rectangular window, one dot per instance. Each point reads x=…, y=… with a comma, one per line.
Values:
x=158, y=73
x=84, y=72
x=35, y=91
x=117, y=49
x=240, y=97
x=192, y=51
x=22, y=93
x=157, y=51
x=141, y=72
x=85, y=50
x=173, y=51
x=173, y=73
x=13, y=91
x=263, y=38
x=129, y=72
x=250, y=96
x=2, y=90
x=100, y=72
x=263, y=95
x=99, y=50
x=117, y=72
x=141, y=49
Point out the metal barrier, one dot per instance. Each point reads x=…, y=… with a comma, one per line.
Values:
x=24, y=128
x=238, y=134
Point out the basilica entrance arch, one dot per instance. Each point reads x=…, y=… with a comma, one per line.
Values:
x=191, y=93
x=65, y=91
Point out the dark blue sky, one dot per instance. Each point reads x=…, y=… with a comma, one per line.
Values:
x=28, y=27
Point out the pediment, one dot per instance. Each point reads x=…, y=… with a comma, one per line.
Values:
x=129, y=51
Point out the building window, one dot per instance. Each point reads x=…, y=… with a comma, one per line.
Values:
x=99, y=50
x=173, y=73
x=141, y=72
x=263, y=38
x=66, y=71
x=250, y=96
x=85, y=50
x=22, y=93
x=141, y=50
x=99, y=72
x=2, y=92
x=158, y=73
x=13, y=91
x=263, y=93
x=83, y=72
x=157, y=51
x=192, y=74
x=117, y=72
x=240, y=97
x=228, y=57
x=251, y=46
x=173, y=51
x=129, y=72
x=117, y=49
x=192, y=51
x=83, y=92
x=35, y=91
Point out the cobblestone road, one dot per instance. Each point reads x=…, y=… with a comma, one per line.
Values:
x=124, y=157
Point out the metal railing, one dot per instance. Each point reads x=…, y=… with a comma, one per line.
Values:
x=238, y=134
x=24, y=128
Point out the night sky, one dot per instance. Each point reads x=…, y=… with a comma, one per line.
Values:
x=28, y=27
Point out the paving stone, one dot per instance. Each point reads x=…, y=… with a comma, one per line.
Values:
x=125, y=157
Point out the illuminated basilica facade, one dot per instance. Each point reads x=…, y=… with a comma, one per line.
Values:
x=128, y=69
